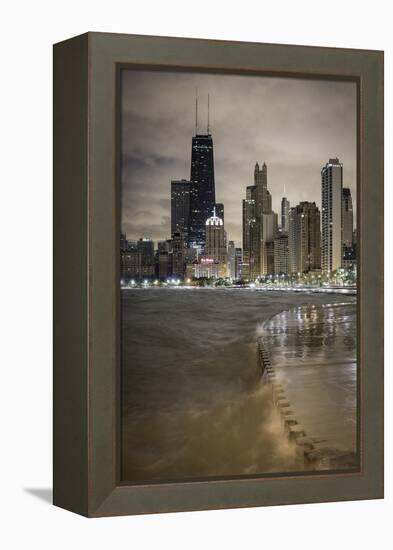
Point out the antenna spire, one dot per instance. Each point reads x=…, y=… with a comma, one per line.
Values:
x=196, y=111
x=208, y=113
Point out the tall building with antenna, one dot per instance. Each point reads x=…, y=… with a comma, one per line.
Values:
x=285, y=206
x=202, y=187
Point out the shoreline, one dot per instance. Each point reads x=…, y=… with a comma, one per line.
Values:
x=345, y=291
x=314, y=452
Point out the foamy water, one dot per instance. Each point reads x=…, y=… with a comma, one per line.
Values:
x=192, y=401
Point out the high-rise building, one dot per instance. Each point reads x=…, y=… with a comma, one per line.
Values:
x=145, y=248
x=304, y=238
x=215, y=238
x=248, y=211
x=263, y=198
x=178, y=255
x=238, y=264
x=349, y=257
x=260, y=226
x=202, y=191
x=269, y=258
x=347, y=217
x=331, y=249
x=137, y=259
x=164, y=264
x=284, y=214
x=180, y=206
x=281, y=254
x=265, y=232
x=129, y=261
x=215, y=243
x=231, y=260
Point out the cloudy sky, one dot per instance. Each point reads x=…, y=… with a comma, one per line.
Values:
x=294, y=125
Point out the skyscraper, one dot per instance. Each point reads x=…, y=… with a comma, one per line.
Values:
x=347, y=217
x=180, y=206
x=164, y=264
x=248, y=211
x=202, y=192
x=145, y=248
x=281, y=254
x=238, y=263
x=215, y=242
x=130, y=264
x=304, y=238
x=263, y=198
x=331, y=251
x=178, y=255
x=231, y=260
x=284, y=214
x=259, y=226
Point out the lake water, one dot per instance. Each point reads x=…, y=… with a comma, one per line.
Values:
x=193, y=404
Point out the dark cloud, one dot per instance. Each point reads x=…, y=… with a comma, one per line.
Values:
x=294, y=125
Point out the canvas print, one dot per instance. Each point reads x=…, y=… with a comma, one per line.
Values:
x=238, y=276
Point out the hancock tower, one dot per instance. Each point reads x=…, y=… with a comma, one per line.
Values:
x=202, y=185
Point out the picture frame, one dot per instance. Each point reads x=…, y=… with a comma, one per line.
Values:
x=86, y=384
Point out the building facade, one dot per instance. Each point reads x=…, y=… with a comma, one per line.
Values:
x=129, y=260
x=207, y=268
x=331, y=246
x=281, y=254
x=347, y=217
x=285, y=206
x=215, y=240
x=178, y=255
x=248, y=218
x=349, y=257
x=137, y=259
x=260, y=227
x=231, y=260
x=238, y=264
x=202, y=189
x=180, y=206
x=164, y=265
x=145, y=248
x=304, y=238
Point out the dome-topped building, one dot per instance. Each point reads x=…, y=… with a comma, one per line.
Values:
x=215, y=220
x=215, y=242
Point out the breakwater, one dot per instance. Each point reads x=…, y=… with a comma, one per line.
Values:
x=307, y=356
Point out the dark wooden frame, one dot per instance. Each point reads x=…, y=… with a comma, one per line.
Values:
x=86, y=260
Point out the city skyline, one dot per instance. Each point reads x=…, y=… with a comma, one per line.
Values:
x=156, y=141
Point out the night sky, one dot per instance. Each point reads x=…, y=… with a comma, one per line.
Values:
x=294, y=125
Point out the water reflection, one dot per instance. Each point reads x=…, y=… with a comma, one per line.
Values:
x=312, y=333
x=313, y=351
